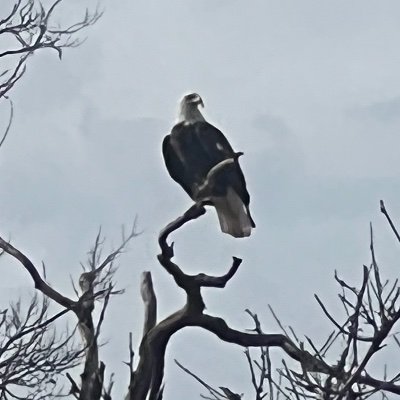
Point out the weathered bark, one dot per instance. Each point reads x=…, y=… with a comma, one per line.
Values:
x=149, y=301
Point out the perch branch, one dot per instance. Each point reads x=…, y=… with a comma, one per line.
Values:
x=193, y=212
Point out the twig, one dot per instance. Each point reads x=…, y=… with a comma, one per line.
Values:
x=212, y=391
x=385, y=213
x=9, y=121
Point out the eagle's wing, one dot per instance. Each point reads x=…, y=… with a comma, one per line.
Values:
x=216, y=145
x=175, y=166
x=214, y=142
x=231, y=175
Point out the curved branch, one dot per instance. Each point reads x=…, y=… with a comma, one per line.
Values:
x=194, y=212
x=188, y=282
x=40, y=284
x=219, y=327
x=204, y=280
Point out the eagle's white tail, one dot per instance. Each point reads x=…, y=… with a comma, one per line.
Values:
x=232, y=214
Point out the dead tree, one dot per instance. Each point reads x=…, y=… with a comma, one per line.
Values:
x=372, y=311
x=147, y=379
x=28, y=28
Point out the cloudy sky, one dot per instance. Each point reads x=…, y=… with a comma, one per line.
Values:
x=308, y=90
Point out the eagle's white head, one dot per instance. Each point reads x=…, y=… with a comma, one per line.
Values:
x=189, y=112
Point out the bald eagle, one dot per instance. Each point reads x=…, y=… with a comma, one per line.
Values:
x=199, y=157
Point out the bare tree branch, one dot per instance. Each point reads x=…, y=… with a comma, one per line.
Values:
x=40, y=284
x=32, y=354
x=213, y=392
x=96, y=284
x=28, y=28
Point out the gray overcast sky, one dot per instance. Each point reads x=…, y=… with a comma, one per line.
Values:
x=308, y=90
